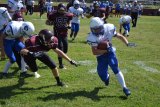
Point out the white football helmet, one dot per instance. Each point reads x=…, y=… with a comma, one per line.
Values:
x=96, y=26
x=76, y=4
x=27, y=28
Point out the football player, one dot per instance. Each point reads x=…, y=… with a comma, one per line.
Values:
x=41, y=5
x=14, y=6
x=97, y=12
x=75, y=22
x=103, y=33
x=5, y=18
x=13, y=31
x=61, y=21
x=125, y=22
x=37, y=45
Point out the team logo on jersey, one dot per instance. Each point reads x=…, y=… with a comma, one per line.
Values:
x=26, y=28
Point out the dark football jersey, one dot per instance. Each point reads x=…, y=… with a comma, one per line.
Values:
x=98, y=13
x=60, y=22
x=33, y=44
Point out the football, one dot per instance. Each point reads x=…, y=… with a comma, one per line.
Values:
x=102, y=45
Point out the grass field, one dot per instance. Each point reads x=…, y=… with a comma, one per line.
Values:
x=140, y=66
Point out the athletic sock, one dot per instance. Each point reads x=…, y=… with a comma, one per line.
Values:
x=58, y=79
x=60, y=60
x=23, y=65
x=121, y=80
x=7, y=66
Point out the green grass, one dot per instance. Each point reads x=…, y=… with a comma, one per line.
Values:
x=85, y=88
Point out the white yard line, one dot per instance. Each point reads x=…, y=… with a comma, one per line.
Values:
x=142, y=65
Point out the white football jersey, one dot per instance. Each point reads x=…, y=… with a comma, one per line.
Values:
x=77, y=13
x=13, y=30
x=109, y=32
x=4, y=17
x=15, y=5
x=49, y=6
x=127, y=18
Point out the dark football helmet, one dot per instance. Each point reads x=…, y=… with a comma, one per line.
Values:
x=61, y=8
x=96, y=5
x=45, y=36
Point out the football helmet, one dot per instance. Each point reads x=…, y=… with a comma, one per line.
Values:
x=61, y=8
x=27, y=28
x=76, y=4
x=96, y=26
x=96, y=5
x=45, y=37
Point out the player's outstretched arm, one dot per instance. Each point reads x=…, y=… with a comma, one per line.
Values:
x=63, y=55
x=124, y=40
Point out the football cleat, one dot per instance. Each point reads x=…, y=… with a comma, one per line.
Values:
x=126, y=91
x=62, y=67
x=37, y=75
x=62, y=84
x=107, y=81
x=25, y=75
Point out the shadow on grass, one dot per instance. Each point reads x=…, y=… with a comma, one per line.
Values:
x=12, y=74
x=77, y=41
x=8, y=91
x=93, y=95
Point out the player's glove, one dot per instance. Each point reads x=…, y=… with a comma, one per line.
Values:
x=68, y=27
x=72, y=62
x=109, y=48
x=131, y=45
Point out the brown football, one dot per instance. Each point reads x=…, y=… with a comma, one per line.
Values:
x=102, y=45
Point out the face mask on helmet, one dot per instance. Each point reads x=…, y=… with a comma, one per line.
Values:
x=45, y=37
x=61, y=8
x=96, y=26
x=76, y=4
x=98, y=30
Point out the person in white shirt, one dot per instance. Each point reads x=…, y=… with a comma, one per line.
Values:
x=13, y=31
x=49, y=6
x=124, y=22
x=103, y=33
x=75, y=22
x=140, y=9
x=4, y=19
x=14, y=6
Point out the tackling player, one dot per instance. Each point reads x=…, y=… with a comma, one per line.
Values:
x=4, y=19
x=13, y=31
x=103, y=33
x=37, y=45
x=61, y=21
x=75, y=22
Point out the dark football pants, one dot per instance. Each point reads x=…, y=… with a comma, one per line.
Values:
x=43, y=57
